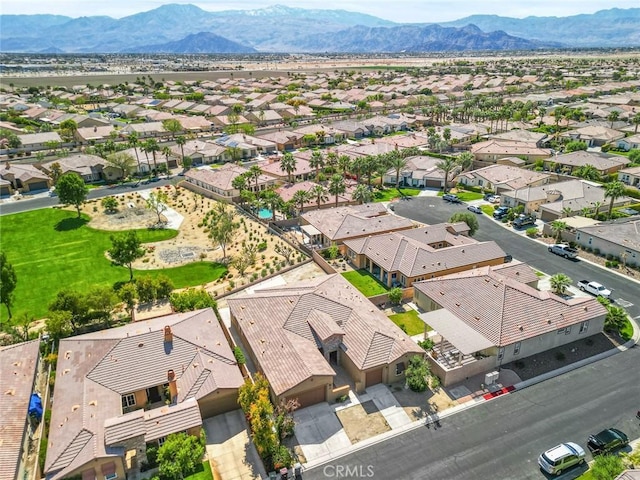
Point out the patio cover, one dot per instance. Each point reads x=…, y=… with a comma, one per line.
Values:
x=456, y=331
x=310, y=230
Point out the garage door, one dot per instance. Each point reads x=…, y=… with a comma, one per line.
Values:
x=38, y=186
x=373, y=377
x=310, y=397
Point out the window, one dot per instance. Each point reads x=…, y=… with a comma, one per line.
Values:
x=161, y=441
x=590, y=239
x=584, y=326
x=500, y=353
x=400, y=368
x=516, y=348
x=128, y=400
x=561, y=331
x=111, y=476
x=567, y=330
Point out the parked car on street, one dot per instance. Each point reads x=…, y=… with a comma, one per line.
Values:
x=563, y=250
x=474, y=209
x=559, y=458
x=450, y=197
x=606, y=441
x=594, y=288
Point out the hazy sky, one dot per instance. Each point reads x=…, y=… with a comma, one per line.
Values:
x=417, y=11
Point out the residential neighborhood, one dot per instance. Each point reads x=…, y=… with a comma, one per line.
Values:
x=282, y=266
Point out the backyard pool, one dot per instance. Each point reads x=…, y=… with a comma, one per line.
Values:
x=265, y=213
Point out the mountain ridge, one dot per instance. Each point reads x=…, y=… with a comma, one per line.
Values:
x=279, y=28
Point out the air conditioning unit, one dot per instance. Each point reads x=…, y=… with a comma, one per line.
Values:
x=491, y=378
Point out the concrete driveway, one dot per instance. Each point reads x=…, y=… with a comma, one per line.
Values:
x=319, y=432
x=230, y=452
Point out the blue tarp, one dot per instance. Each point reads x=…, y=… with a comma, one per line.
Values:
x=35, y=406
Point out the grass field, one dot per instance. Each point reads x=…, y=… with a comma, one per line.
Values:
x=466, y=196
x=392, y=192
x=203, y=473
x=412, y=323
x=53, y=249
x=366, y=283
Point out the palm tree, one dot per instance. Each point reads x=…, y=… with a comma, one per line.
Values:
x=132, y=142
x=362, y=194
x=319, y=193
x=369, y=167
x=559, y=283
x=613, y=190
x=316, y=161
x=596, y=208
x=181, y=140
x=636, y=121
x=465, y=160
x=398, y=163
x=300, y=198
x=557, y=227
x=446, y=165
x=343, y=163
x=172, y=126
x=567, y=211
x=588, y=172
x=151, y=146
x=254, y=174
x=336, y=186
x=288, y=164
x=166, y=151
x=613, y=116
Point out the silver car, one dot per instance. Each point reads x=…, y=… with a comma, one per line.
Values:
x=561, y=457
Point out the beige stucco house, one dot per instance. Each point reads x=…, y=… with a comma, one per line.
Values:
x=318, y=338
x=490, y=316
x=120, y=389
x=498, y=178
x=619, y=238
x=407, y=256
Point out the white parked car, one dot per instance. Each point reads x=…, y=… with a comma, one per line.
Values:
x=561, y=457
x=474, y=209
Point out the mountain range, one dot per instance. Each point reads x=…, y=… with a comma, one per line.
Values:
x=184, y=29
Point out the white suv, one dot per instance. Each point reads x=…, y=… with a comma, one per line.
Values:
x=561, y=457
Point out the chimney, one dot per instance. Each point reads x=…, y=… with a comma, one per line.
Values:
x=7, y=165
x=173, y=386
x=168, y=334
x=95, y=129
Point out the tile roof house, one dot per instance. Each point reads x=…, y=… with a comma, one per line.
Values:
x=202, y=152
x=300, y=335
x=5, y=187
x=594, y=136
x=485, y=319
x=93, y=134
x=284, y=140
x=19, y=369
x=24, y=176
x=112, y=388
x=303, y=170
x=551, y=200
x=89, y=167
x=408, y=256
x=335, y=225
x=605, y=163
x=524, y=136
x=499, y=178
x=38, y=141
x=218, y=183
x=619, y=238
x=421, y=171
x=493, y=150
x=630, y=176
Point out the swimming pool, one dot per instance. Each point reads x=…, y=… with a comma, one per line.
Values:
x=265, y=213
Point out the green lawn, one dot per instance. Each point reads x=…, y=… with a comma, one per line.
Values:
x=203, y=473
x=410, y=320
x=487, y=209
x=391, y=193
x=465, y=196
x=52, y=249
x=366, y=283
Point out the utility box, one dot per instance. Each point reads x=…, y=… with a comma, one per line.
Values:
x=491, y=378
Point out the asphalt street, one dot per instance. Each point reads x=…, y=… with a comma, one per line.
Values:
x=433, y=210
x=502, y=438
x=40, y=201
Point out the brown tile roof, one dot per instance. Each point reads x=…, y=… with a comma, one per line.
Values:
x=505, y=310
x=279, y=325
x=355, y=221
x=95, y=369
x=18, y=368
x=222, y=178
x=414, y=257
x=153, y=424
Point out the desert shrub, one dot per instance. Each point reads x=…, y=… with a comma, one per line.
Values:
x=237, y=352
x=426, y=344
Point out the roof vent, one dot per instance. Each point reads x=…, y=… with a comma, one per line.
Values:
x=521, y=328
x=168, y=334
x=75, y=407
x=140, y=345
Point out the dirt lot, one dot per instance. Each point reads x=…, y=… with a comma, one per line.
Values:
x=362, y=421
x=419, y=405
x=192, y=242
